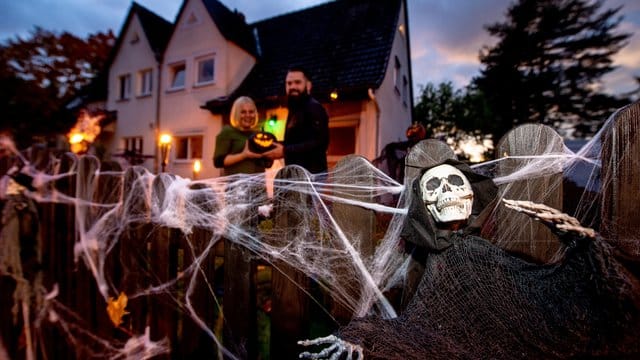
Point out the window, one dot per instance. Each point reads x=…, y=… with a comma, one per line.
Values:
x=396, y=75
x=135, y=38
x=132, y=149
x=205, y=68
x=124, y=87
x=405, y=90
x=188, y=147
x=177, y=74
x=145, y=82
x=343, y=142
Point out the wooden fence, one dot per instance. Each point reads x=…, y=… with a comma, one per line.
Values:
x=161, y=253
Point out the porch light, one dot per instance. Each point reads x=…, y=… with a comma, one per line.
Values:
x=197, y=166
x=165, y=147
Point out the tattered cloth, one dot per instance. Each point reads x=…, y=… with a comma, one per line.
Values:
x=476, y=301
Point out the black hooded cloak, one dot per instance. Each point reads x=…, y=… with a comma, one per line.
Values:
x=476, y=301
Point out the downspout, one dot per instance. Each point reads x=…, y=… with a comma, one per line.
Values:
x=372, y=97
x=406, y=20
x=156, y=154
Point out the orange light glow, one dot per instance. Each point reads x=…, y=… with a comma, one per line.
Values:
x=165, y=139
x=84, y=132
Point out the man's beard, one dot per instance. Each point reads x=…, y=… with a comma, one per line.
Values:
x=294, y=100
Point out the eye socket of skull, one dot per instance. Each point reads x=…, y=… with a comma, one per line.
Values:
x=433, y=184
x=455, y=180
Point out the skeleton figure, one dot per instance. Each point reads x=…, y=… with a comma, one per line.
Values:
x=477, y=301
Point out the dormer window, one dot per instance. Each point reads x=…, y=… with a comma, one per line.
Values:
x=205, y=67
x=177, y=76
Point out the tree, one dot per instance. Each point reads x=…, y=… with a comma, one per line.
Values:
x=548, y=64
x=40, y=74
x=456, y=117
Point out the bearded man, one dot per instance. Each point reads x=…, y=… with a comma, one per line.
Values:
x=306, y=138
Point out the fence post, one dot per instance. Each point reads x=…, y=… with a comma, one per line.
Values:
x=196, y=344
x=58, y=257
x=357, y=223
x=87, y=305
x=531, y=238
x=620, y=179
x=424, y=154
x=290, y=303
x=108, y=191
x=162, y=317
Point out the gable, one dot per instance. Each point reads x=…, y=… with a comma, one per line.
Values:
x=153, y=29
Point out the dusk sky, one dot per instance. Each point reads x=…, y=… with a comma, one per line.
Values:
x=446, y=35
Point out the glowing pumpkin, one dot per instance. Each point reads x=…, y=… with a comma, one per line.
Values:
x=261, y=141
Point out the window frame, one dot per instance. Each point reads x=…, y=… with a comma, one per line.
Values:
x=124, y=87
x=173, y=71
x=189, y=149
x=198, y=66
x=397, y=66
x=145, y=88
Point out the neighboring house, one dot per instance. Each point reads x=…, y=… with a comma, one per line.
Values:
x=356, y=50
x=134, y=85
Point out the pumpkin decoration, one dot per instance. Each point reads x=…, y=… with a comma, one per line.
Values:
x=261, y=142
x=416, y=132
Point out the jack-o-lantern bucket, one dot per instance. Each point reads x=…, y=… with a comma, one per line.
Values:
x=261, y=142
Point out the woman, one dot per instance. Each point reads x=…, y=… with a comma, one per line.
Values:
x=232, y=151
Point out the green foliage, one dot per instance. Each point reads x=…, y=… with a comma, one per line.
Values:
x=454, y=116
x=40, y=74
x=547, y=65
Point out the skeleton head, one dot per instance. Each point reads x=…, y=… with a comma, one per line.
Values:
x=447, y=193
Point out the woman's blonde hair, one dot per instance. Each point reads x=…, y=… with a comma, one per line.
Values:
x=235, y=111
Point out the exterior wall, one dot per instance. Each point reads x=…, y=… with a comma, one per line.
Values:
x=180, y=110
x=395, y=102
x=137, y=113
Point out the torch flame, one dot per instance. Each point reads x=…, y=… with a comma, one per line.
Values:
x=84, y=132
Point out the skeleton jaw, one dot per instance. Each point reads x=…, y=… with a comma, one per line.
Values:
x=451, y=208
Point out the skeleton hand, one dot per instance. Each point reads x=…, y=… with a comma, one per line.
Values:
x=335, y=350
x=553, y=218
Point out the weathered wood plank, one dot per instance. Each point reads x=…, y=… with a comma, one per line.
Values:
x=290, y=302
x=357, y=223
x=530, y=238
x=620, y=179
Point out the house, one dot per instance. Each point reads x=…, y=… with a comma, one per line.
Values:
x=181, y=78
x=134, y=84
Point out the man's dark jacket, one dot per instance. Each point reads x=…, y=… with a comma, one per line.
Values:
x=307, y=136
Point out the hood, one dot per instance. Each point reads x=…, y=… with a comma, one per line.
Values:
x=419, y=227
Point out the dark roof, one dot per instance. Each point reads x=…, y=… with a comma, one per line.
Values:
x=156, y=29
x=344, y=45
x=232, y=25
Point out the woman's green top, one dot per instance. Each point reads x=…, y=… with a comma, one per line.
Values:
x=231, y=141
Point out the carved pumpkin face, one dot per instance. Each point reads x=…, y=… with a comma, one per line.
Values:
x=261, y=141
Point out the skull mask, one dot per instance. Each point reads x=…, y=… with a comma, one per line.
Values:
x=447, y=193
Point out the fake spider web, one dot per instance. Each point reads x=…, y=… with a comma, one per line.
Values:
x=342, y=229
